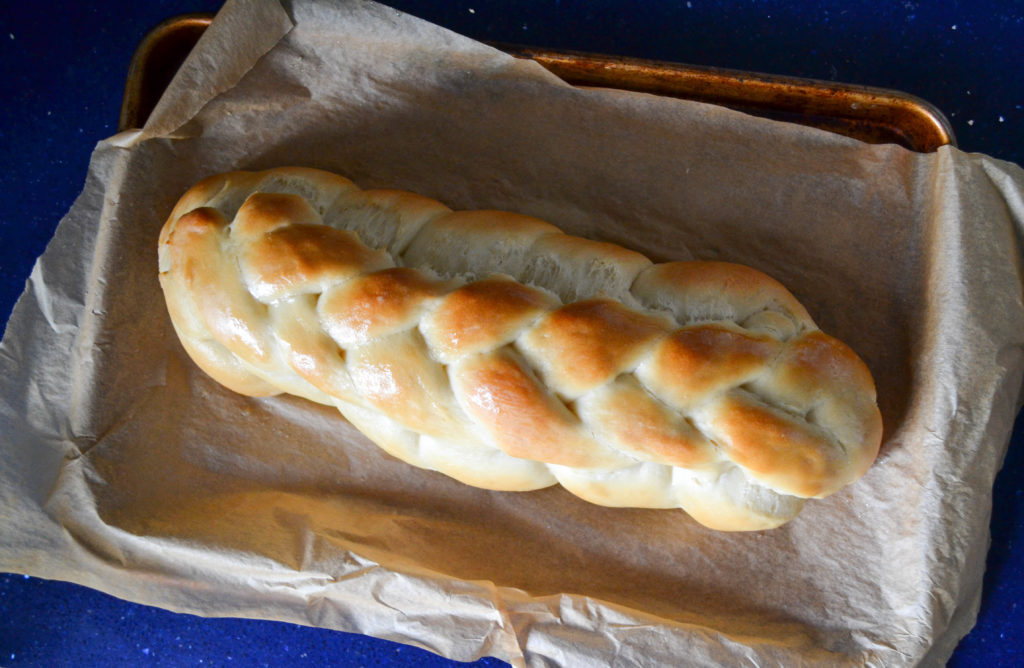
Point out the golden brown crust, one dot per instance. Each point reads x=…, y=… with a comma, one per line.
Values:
x=773, y=445
x=492, y=347
x=704, y=360
x=834, y=387
x=642, y=426
x=376, y=304
x=456, y=328
x=520, y=417
x=583, y=345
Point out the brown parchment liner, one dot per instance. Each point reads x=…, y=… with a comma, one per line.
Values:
x=124, y=468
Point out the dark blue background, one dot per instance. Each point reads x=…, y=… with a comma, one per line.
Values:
x=62, y=73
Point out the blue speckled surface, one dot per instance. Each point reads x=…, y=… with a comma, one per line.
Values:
x=64, y=67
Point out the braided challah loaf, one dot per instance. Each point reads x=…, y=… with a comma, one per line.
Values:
x=493, y=348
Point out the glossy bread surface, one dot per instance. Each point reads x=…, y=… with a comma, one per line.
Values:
x=494, y=348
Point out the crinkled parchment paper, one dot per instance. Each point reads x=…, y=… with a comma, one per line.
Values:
x=124, y=468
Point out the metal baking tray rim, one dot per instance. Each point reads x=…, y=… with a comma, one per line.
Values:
x=873, y=115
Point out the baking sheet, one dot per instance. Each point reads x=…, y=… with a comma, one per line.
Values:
x=874, y=115
x=125, y=469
